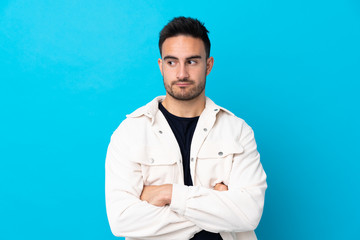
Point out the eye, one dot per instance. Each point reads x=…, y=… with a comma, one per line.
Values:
x=171, y=63
x=192, y=62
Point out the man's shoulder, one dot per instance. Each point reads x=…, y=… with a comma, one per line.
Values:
x=228, y=121
x=224, y=113
x=140, y=116
x=148, y=110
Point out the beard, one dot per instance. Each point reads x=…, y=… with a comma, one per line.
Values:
x=185, y=93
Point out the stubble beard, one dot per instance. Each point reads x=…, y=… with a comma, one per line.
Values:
x=187, y=95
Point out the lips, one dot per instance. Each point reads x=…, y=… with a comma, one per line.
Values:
x=183, y=83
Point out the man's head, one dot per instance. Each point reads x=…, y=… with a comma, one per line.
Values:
x=184, y=61
x=187, y=27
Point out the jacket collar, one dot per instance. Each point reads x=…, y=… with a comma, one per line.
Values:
x=152, y=107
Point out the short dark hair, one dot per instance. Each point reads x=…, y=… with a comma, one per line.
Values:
x=185, y=26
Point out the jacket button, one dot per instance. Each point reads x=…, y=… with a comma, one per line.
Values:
x=220, y=153
x=152, y=160
x=205, y=129
x=160, y=132
x=192, y=159
x=216, y=109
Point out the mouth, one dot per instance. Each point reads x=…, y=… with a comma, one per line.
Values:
x=183, y=83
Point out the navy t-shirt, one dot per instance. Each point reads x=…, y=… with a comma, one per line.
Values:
x=183, y=129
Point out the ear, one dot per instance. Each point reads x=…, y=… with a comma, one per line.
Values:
x=160, y=66
x=209, y=65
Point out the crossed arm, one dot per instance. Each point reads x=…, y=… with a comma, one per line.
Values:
x=181, y=211
x=161, y=195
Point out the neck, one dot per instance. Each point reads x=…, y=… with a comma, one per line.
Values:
x=186, y=109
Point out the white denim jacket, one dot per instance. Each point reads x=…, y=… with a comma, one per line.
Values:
x=144, y=151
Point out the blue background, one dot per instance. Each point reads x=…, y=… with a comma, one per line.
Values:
x=71, y=70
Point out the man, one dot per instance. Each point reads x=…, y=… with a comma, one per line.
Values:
x=182, y=167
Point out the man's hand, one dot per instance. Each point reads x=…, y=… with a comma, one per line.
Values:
x=220, y=187
x=159, y=195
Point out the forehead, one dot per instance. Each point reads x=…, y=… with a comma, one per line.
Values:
x=183, y=46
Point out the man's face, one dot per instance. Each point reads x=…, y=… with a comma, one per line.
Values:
x=184, y=67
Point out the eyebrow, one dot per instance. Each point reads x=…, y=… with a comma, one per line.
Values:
x=188, y=58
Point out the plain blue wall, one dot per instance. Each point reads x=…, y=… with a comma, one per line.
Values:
x=71, y=70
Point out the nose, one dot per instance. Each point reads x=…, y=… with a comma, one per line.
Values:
x=182, y=72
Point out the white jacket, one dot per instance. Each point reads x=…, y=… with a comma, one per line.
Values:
x=144, y=151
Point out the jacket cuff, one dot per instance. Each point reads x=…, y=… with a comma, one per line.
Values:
x=178, y=198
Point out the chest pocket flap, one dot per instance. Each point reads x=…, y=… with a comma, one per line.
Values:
x=218, y=150
x=154, y=156
x=159, y=166
x=160, y=156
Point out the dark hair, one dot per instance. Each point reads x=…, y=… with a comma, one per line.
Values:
x=185, y=26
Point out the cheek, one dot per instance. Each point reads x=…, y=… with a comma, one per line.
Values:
x=167, y=79
x=200, y=74
x=169, y=74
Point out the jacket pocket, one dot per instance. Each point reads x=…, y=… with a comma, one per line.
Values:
x=214, y=162
x=159, y=167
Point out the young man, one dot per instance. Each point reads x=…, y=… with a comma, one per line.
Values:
x=182, y=167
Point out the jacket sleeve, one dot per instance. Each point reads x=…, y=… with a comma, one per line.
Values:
x=237, y=210
x=127, y=214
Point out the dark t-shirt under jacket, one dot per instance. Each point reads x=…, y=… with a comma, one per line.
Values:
x=183, y=129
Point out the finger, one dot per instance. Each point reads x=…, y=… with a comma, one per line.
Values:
x=220, y=187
